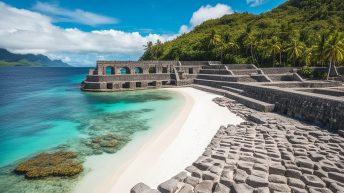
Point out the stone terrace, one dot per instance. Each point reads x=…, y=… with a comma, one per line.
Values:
x=267, y=153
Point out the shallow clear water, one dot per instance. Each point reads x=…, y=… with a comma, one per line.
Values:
x=43, y=108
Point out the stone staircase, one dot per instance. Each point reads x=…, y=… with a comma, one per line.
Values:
x=234, y=94
x=223, y=80
x=222, y=73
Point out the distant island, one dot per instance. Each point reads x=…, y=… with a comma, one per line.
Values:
x=8, y=59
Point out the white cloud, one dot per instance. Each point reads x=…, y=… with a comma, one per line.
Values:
x=184, y=29
x=254, y=3
x=75, y=16
x=205, y=13
x=209, y=12
x=24, y=31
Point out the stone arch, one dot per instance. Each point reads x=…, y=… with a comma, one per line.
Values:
x=138, y=70
x=109, y=70
x=125, y=70
x=152, y=70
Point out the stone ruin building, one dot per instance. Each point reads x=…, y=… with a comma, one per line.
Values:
x=281, y=90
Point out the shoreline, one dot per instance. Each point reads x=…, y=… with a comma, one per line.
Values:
x=165, y=153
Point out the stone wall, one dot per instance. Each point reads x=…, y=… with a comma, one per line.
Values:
x=278, y=70
x=194, y=63
x=240, y=66
x=137, y=77
x=326, y=111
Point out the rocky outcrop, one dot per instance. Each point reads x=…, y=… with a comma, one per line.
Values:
x=267, y=153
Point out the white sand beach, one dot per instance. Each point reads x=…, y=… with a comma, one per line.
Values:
x=163, y=154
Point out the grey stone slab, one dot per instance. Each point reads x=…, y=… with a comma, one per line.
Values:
x=186, y=189
x=312, y=180
x=336, y=176
x=277, y=169
x=277, y=179
x=169, y=186
x=139, y=188
x=296, y=183
x=193, y=181
x=293, y=173
x=181, y=176
x=256, y=182
x=274, y=187
x=220, y=188
x=205, y=186
x=298, y=190
x=242, y=188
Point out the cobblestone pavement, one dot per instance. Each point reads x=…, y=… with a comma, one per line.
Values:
x=267, y=153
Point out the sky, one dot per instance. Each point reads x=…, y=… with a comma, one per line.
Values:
x=79, y=32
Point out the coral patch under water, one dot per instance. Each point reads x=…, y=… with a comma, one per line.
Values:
x=61, y=163
x=107, y=143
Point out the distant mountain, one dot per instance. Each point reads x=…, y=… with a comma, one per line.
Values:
x=28, y=60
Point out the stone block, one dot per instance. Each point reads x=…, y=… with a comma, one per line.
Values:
x=296, y=183
x=277, y=179
x=170, y=186
x=205, y=186
x=277, y=169
x=256, y=182
x=140, y=188
x=193, y=181
x=186, y=189
x=312, y=180
x=242, y=188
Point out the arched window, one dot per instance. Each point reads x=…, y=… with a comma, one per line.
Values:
x=152, y=70
x=138, y=70
x=109, y=70
x=125, y=70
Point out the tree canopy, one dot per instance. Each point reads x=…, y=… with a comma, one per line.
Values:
x=298, y=32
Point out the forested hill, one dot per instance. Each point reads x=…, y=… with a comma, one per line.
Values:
x=28, y=60
x=297, y=32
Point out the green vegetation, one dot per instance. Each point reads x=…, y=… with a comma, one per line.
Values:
x=307, y=72
x=297, y=33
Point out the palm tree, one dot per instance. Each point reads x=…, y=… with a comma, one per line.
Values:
x=275, y=47
x=148, y=46
x=334, y=51
x=319, y=49
x=214, y=40
x=307, y=55
x=294, y=50
x=250, y=43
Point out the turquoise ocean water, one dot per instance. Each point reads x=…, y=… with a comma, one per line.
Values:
x=43, y=109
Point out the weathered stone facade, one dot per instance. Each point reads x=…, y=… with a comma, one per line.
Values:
x=131, y=75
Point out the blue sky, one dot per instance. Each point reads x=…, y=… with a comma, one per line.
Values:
x=56, y=24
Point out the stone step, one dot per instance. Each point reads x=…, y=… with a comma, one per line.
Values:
x=214, y=67
x=228, y=78
x=240, y=66
x=215, y=83
x=245, y=72
x=231, y=89
x=215, y=71
x=281, y=77
x=218, y=77
x=247, y=101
